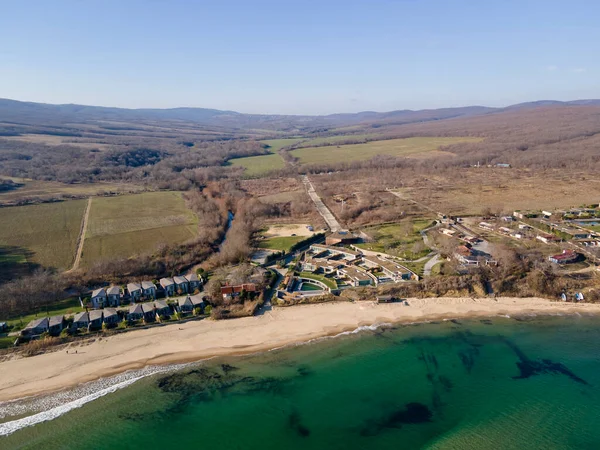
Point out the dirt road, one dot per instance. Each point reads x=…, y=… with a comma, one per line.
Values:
x=81, y=239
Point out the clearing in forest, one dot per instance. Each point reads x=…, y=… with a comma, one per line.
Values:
x=258, y=165
x=44, y=234
x=129, y=225
x=359, y=152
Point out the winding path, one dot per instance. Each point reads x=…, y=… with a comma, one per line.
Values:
x=81, y=238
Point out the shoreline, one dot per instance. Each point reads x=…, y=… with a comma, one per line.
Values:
x=281, y=327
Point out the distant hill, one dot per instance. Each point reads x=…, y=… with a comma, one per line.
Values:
x=13, y=111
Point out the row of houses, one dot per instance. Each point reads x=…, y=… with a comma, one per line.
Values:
x=113, y=296
x=94, y=319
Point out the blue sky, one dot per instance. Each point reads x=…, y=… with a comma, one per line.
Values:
x=299, y=57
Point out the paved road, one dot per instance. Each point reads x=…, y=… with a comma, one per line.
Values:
x=429, y=265
x=323, y=210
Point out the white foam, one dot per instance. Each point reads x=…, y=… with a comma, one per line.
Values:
x=55, y=405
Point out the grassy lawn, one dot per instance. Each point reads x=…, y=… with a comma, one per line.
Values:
x=63, y=307
x=131, y=225
x=257, y=166
x=398, y=239
x=360, y=152
x=45, y=234
x=327, y=281
x=280, y=243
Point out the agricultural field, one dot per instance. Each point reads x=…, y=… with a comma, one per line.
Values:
x=360, y=152
x=320, y=141
x=44, y=234
x=129, y=225
x=256, y=166
x=277, y=144
x=401, y=239
x=36, y=190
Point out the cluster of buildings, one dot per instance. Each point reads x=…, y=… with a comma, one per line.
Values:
x=94, y=320
x=114, y=296
x=347, y=268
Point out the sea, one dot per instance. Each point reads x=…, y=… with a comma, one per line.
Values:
x=526, y=382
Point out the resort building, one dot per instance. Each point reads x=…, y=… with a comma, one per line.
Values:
x=194, y=282
x=162, y=309
x=113, y=295
x=111, y=317
x=396, y=272
x=81, y=320
x=135, y=291
x=355, y=276
x=96, y=318
x=36, y=327
x=181, y=285
x=168, y=286
x=322, y=251
x=185, y=305
x=135, y=313
x=56, y=325
x=148, y=289
x=99, y=298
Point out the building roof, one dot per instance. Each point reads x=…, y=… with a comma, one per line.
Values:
x=113, y=290
x=355, y=273
x=95, y=315
x=132, y=287
x=147, y=307
x=180, y=280
x=56, y=320
x=109, y=312
x=387, y=264
x=332, y=249
x=136, y=309
x=197, y=299
x=184, y=300
x=81, y=317
x=192, y=277
x=248, y=287
x=42, y=322
x=99, y=292
x=160, y=304
x=565, y=255
x=166, y=282
x=148, y=285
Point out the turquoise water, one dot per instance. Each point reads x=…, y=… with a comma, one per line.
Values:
x=493, y=384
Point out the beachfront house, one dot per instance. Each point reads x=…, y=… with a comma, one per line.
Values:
x=149, y=312
x=229, y=292
x=135, y=313
x=148, y=289
x=111, y=317
x=181, y=285
x=168, y=286
x=113, y=296
x=355, y=277
x=162, y=309
x=95, y=317
x=36, y=327
x=81, y=320
x=197, y=302
x=185, y=306
x=194, y=281
x=99, y=298
x=135, y=291
x=56, y=325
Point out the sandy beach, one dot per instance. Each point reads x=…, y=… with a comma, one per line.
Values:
x=197, y=340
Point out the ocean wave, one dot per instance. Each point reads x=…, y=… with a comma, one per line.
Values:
x=52, y=406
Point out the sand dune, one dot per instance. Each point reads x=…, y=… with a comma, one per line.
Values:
x=201, y=339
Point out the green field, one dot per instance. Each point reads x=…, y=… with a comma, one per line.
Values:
x=327, y=281
x=258, y=165
x=276, y=144
x=280, y=243
x=360, y=152
x=316, y=142
x=130, y=225
x=398, y=239
x=45, y=234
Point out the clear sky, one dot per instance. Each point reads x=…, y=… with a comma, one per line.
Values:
x=299, y=57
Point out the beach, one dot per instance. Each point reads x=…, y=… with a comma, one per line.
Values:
x=279, y=327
